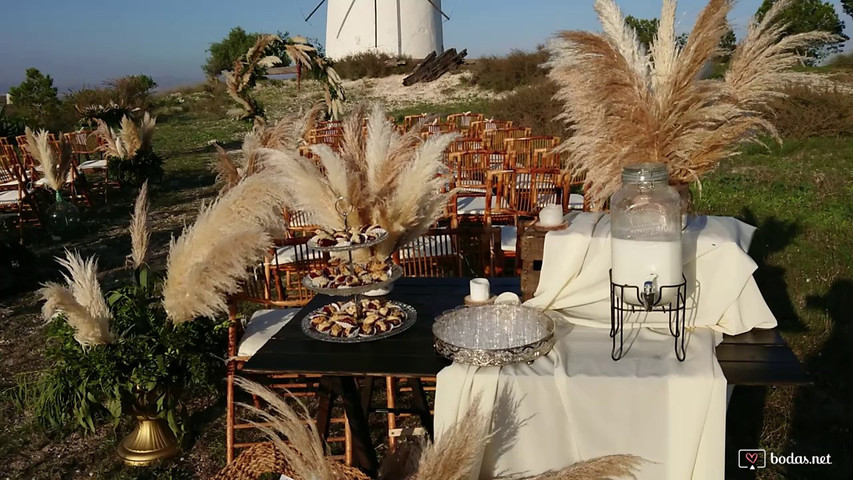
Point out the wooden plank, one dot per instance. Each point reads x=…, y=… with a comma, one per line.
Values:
x=757, y=336
x=764, y=374
x=741, y=352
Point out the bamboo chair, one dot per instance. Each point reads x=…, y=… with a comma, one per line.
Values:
x=15, y=198
x=521, y=150
x=463, y=121
x=4, y=141
x=262, y=459
x=85, y=144
x=431, y=129
x=513, y=195
x=494, y=139
x=464, y=144
x=245, y=340
x=335, y=141
x=473, y=168
x=299, y=224
x=438, y=253
x=544, y=158
x=410, y=121
x=477, y=129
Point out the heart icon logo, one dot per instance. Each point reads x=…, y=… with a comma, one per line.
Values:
x=752, y=457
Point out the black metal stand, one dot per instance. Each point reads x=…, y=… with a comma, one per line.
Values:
x=619, y=309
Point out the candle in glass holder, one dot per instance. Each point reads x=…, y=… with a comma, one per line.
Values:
x=480, y=290
x=551, y=216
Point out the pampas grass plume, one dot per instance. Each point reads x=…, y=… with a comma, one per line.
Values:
x=140, y=233
x=80, y=300
x=209, y=259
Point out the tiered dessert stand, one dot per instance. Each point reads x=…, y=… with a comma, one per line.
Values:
x=355, y=292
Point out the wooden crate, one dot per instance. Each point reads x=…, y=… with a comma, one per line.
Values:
x=532, y=251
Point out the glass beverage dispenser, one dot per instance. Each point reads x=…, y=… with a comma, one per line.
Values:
x=646, y=230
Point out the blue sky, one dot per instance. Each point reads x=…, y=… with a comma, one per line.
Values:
x=85, y=42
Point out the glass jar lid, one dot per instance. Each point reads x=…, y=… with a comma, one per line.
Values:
x=645, y=173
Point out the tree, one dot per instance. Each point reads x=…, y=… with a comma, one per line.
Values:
x=35, y=99
x=810, y=15
x=223, y=54
x=727, y=46
x=847, y=5
x=646, y=29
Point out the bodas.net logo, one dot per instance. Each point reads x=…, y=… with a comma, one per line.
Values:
x=751, y=458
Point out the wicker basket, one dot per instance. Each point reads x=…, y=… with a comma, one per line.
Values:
x=265, y=458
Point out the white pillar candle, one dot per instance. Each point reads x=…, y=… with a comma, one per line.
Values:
x=480, y=290
x=551, y=215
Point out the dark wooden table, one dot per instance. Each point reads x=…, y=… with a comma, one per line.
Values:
x=760, y=357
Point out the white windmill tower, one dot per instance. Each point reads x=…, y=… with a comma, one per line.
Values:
x=396, y=27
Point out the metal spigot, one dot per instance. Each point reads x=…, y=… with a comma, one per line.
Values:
x=647, y=298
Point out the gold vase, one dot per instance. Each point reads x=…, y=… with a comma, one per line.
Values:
x=150, y=441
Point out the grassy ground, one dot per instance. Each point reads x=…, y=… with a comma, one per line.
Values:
x=799, y=195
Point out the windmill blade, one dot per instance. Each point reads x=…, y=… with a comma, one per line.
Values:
x=315, y=10
x=439, y=10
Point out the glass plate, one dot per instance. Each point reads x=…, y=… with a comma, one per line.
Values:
x=312, y=243
x=394, y=274
x=493, y=335
x=411, y=316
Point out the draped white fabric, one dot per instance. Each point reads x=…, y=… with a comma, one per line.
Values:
x=577, y=403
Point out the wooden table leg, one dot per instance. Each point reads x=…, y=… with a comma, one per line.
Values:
x=364, y=455
x=326, y=396
x=420, y=401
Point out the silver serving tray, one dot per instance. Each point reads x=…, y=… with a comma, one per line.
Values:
x=493, y=335
x=394, y=274
x=411, y=316
x=312, y=243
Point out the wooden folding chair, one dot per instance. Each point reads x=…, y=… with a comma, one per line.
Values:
x=245, y=339
x=512, y=195
x=521, y=150
x=410, y=121
x=15, y=198
x=478, y=128
x=494, y=139
x=299, y=224
x=438, y=253
x=463, y=121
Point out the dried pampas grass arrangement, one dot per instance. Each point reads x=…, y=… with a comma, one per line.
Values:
x=209, y=259
x=625, y=105
x=140, y=233
x=287, y=134
x=128, y=140
x=391, y=179
x=56, y=163
x=80, y=300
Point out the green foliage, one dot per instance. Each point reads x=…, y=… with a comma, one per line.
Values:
x=118, y=98
x=372, y=65
x=646, y=29
x=145, y=165
x=847, y=5
x=517, y=69
x=224, y=53
x=10, y=126
x=809, y=15
x=35, y=99
x=151, y=367
x=842, y=60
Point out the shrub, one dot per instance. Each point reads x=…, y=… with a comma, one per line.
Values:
x=517, y=69
x=10, y=126
x=843, y=60
x=224, y=53
x=531, y=106
x=814, y=112
x=133, y=91
x=372, y=65
x=120, y=97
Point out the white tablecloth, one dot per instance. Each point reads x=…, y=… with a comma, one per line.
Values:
x=577, y=403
